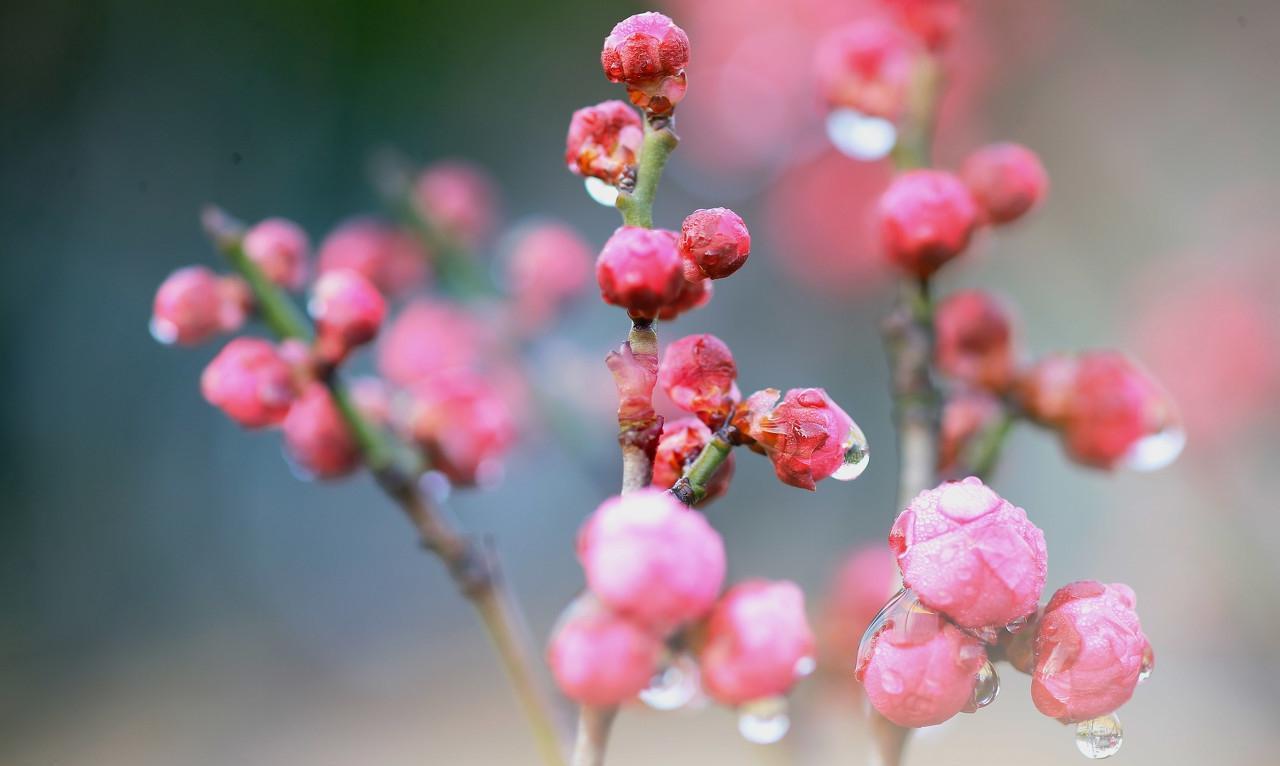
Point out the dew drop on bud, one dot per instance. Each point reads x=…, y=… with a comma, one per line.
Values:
x=673, y=686
x=910, y=621
x=1148, y=664
x=602, y=193
x=164, y=331
x=860, y=136
x=764, y=721
x=985, y=689
x=1100, y=737
x=1017, y=623
x=805, y=666
x=856, y=457
x=1151, y=453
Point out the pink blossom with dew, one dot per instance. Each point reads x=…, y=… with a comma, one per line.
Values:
x=806, y=435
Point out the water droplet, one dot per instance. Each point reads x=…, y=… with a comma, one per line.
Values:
x=906, y=622
x=1148, y=664
x=1100, y=737
x=861, y=136
x=764, y=721
x=1017, y=624
x=1154, y=452
x=164, y=331
x=674, y=685
x=856, y=456
x=986, y=688
x=805, y=666
x=602, y=193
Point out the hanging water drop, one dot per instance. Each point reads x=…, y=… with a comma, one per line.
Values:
x=674, y=685
x=602, y=193
x=805, y=666
x=1148, y=664
x=861, y=136
x=164, y=331
x=1100, y=737
x=1151, y=453
x=911, y=623
x=856, y=456
x=986, y=687
x=764, y=721
x=1017, y=624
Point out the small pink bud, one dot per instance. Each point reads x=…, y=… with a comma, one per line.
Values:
x=463, y=425
x=348, y=311
x=1006, y=181
x=389, y=258
x=698, y=374
x=758, y=642
x=1044, y=390
x=966, y=417
x=975, y=339
x=806, y=435
x=865, y=66
x=681, y=443
x=548, y=265
x=640, y=270
x=430, y=338
x=648, y=53
x=652, y=559
x=716, y=241
x=933, y=21
x=693, y=295
x=600, y=658
x=250, y=382
x=458, y=199
x=194, y=305
x=856, y=594
x=1114, y=405
x=1090, y=652
x=317, y=437
x=970, y=554
x=372, y=398
x=604, y=141
x=280, y=248
x=926, y=219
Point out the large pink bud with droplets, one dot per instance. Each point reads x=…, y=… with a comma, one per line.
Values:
x=680, y=444
x=194, y=305
x=317, y=437
x=758, y=642
x=806, y=435
x=280, y=248
x=1090, y=652
x=599, y=657
x=640, y=270
x=388, y=257
x=648, y=53
x=604, y=141
x=650, y=558
x=926, y=219
x=865, y=66
x=970, y=554
x=714, y=243
x=698, y=374
x=251, y=382
x=1007, y=181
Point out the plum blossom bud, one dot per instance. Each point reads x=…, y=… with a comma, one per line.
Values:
x=463, y=425
x=601, y=658
x=975, y=339
x=856, y=594
x=1090, y=652
x=640, y=270
x=348, y=311
x=280, y=248
x=698, y=374
x=458, y=199
x=650, y=558
x=250, y=382
x=681, y=442
x=1118, y=414
x=971, y=555
x=693, y=295
x=866, y=67
x=194, y=305
x=758, y=642
x=548, y=265
x=926, y=219
x=648, y=53
x=604, y=141
x=1006, y=181
x=715, y=241
x=967, y=417
x=389, y=258
x=429, y=338
x=933, y=21
x=316, y=435
x=372, y=399
x=1044, y=389
x=806, y=435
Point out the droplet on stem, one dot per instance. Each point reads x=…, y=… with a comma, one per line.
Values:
x=601, y=192
x=674, y=685
x=764, y=721
x=1100, y=737
x=1148, y=664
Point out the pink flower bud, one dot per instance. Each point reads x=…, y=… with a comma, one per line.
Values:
x=458, y=199
x=250, y=382
x=648, y=53
x=604, y=141
x=640, y=270
x=372, y=398
x=806, y=435
x=758, y=642
x=389, y=258
x=698, y=374
x=280, y=248
x=970, y=554
x=926, y=219
x=966, y=417
x=601, y=658
x=430, y=338
x=933, y=21
x=857, y=592
x=716, y=241
x=348, y=311
x=1090, y=652
x=1044, y=390
x=317, y=437
x=865, y=66
x=194, y=305
x=1006, y=181
x=681, y=443
x=693, y=295
x=975, y=339
x=1114, y=405
x=548, y=265
x=650, y=558
x=463, y=425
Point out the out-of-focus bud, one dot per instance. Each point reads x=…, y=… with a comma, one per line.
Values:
x=348, y=311
x=599, y=657
x=866, y=67
x=280, y=248
x=430, y=338
x=966, y=417
x=857, y=592
x=806, y=435
x=926, y=218
x=640, y=270
x=648, y=53
x=372, y=398
x=317, y=437
x=693, y=295
x=681, y=442
x=388, y=257
x=250, y=382
x=758, y=642
x=457, y=199
x=604, y=141
x=194, y=305
x=975, y=339
x=1006, y=181
x=1044, y=389
x=463, y=425
x=549, y=264
x=714, y=241
x=1118, y=415
x=933, y=21
x=698, y=374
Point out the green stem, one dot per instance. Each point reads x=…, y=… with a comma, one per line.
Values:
x=692, y=486
x=280, y=313
x=637, y=205
x=915, y=139
x=984, y=454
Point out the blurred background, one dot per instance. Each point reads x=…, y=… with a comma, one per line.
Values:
x=171, y=594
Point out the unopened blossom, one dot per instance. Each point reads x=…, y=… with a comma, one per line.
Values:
x=604, y=141
x=806, y=435
x=967, y=417
x=1114, y=404
x=858, y=589
x=194, y=304
x=648, y=53
x=548, y=265
x=463, y=424
x=457, y=199
x=693, y=295
x=933, y=21
x=715, y=242
x=599, y=657
x=1006, y=181
x=681, y=442
x=1090, y=652
x=1044, y=389
x=865, y=66
x=974, y=345
x=650, y=558
x=926, y=218
x=372, y=398
x=698, y=374
x=758, y=642
x=348, y=310
x=388, y=257
x=640, y=270
x=317, y=437
x=970, y=554
x=429, y=338
x=280, y=249
x=251, y=382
